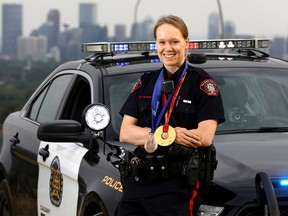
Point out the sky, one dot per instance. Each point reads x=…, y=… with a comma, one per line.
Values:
x=261, y=18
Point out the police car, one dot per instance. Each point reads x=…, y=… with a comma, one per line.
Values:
x=61, y=152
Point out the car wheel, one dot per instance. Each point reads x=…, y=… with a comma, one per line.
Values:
x=93, y=207
x=5, y=199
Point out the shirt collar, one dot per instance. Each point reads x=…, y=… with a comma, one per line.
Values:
x=175, y=77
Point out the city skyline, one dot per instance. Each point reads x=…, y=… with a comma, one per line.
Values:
x=48, y=41
x=262, y=18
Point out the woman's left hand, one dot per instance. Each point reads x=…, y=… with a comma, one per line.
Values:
x=187, y=138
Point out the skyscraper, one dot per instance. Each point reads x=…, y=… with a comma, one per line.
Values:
x=54, y=17
x=213, y=26
x=87, y=14
x=11, y=28
x=50, y=28
x=147, y=27
x=120, y=32
x=229, y=29
x=278, y=47
x=32, y=48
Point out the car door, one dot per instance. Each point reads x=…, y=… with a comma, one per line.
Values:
x=58, y=178
x=24, y=143
x=59, y=162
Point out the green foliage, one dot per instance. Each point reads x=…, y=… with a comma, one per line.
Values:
x=17, y=83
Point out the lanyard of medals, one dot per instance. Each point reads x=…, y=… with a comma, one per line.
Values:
x=163, y=135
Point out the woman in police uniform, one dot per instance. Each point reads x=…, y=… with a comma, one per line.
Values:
x=168, y=115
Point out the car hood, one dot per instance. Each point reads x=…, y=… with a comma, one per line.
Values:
x=241, y=156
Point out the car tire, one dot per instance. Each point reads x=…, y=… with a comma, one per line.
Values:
x=93, y=207
x=5, y=199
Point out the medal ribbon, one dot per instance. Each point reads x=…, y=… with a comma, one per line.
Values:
x=169, y=112
x=156, y=96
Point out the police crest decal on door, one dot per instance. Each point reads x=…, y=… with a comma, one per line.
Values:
x=56, y=182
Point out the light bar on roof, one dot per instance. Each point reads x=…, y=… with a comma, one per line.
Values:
x=150, y=46
x=119, y=47
x=230, y=44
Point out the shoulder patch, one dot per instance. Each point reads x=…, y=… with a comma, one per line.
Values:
x=209, y=87
x=137, y=85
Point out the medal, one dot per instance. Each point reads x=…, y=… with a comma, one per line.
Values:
x=164, y=138
x=164, y=135
x=150, y=145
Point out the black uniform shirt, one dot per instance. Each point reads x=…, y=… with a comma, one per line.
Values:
x=199, y=99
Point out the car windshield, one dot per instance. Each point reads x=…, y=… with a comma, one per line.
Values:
x=253, y=98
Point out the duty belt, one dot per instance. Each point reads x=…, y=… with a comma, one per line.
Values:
x=154, y=168
x=161, y=167
x=193, y=164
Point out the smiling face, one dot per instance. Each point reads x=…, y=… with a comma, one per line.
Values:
x=171, y=46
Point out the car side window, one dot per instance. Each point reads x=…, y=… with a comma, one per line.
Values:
x=78, y=99
x=36, y=105
x=47, y=104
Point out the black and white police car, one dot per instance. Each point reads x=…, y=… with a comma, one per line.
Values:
x=61, y=151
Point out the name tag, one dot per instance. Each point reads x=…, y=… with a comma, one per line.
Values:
x=187, y=101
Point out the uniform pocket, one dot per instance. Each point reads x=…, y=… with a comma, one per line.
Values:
x=144, y=105
x=185, y=108
x=145, y=112
x=185, y=115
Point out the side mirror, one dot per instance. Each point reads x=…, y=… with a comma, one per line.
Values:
x=61, y=131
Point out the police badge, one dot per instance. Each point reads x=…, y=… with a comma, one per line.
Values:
x=56, y=182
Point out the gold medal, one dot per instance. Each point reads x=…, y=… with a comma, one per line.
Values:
x=150, y=145
x=164, y=138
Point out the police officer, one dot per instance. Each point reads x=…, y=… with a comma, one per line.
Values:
x=168, y=115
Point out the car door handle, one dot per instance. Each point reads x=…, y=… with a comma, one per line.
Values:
x=44, y=152
x=14, y=140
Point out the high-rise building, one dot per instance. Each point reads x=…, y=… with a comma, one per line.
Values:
x=213, y=26
x=147, y=27
x=11, y=28
x=70, y=44
x=278, y=47
x=229, y=29
x=87, y=14
x=135, y=32
x=120, y=32
x=50, y=28
x=88, y=23
x=94, y=33
x=143, y=31
x=54, y=17
x=32, y=48
x=55, y=54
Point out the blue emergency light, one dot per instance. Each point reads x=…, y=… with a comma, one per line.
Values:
x=284, y=182
x=280, y=182
x=150, y=46
x=119, y=47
